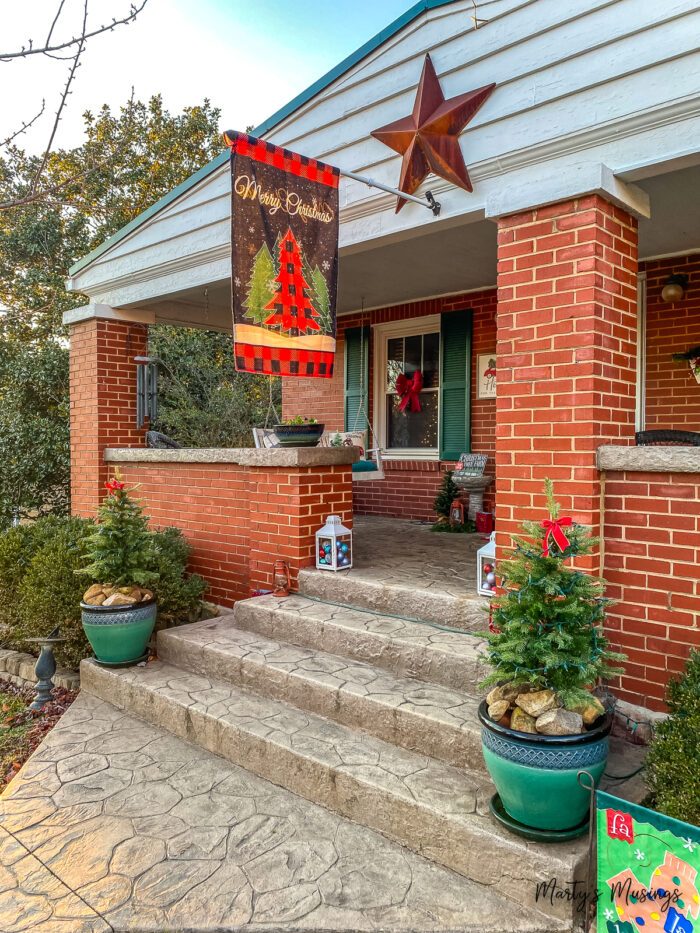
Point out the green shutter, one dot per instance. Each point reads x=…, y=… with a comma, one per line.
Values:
x=356, y=389
x=455, y=384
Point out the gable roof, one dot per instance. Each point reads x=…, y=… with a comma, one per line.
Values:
x=340, y=69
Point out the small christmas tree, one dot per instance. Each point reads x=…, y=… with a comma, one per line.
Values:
x=261, y=286
x=548, y=622
x=293, y=311
x=120, y=549
x=447, y=494
x=322, y=301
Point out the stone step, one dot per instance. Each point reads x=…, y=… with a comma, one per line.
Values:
x=436, y=810
x=407, y=649
x=374, y=590
x=426, y=718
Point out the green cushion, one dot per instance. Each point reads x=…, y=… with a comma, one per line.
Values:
x=364, y=466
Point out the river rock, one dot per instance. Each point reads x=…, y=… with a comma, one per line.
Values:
x=534, y=704
x=119, y=599
x=89, y=595
x=560, y=722
x=522, y=722
x=498, y=709
x=590, y=710
x=506, y=692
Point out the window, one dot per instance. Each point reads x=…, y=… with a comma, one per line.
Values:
x=407, y=347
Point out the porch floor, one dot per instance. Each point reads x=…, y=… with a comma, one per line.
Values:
x=403, y=568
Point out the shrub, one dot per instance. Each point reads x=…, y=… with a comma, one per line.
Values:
x=673, y=762
x=39, y=588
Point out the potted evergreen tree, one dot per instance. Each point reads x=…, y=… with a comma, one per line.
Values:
x=541, y=724
x=118, y=615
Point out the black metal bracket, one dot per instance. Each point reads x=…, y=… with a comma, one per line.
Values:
x=434, y=205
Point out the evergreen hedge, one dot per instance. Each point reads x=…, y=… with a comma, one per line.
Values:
x=39, y=588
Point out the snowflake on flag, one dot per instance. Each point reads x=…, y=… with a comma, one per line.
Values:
x=640, y=855
x=609, y=914
x=689, y=844
x=326, y=265
x=237, y=282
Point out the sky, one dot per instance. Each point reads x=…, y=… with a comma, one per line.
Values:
x=249, y=57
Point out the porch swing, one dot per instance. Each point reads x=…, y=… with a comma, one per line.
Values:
x=366, y=469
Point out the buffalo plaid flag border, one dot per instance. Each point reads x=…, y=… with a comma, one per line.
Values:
x=276, y=361
x=284, y=159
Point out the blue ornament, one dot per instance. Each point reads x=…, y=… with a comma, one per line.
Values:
x=327, y=548
x=345, y=549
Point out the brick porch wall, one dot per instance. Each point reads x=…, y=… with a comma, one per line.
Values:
x=241, y=519
x=410, y=486
x=652, y=566
x=672, y=394
x=102, y=402
x=566, y=356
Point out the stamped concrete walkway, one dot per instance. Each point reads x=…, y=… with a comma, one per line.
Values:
x=114, y=815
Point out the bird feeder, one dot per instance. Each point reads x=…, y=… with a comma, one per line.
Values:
x=486, y=567
x=334, y=545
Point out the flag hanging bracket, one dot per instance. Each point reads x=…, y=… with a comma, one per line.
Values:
x=428, y=201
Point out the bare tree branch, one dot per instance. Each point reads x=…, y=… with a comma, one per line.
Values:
x=46, y=48
x=24, y=127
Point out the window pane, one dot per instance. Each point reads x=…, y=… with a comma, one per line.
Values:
x=413, y=428
x=414, y=346
x=431, y=361
x=394, y=357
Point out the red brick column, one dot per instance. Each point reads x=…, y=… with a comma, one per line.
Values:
x=566, y=355
x=102, y=401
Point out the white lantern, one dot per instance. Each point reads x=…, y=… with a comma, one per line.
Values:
x=334, y=545
x=486, y=567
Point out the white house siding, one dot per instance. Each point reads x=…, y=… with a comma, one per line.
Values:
x=587, y=89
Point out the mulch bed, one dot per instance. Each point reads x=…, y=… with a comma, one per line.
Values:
x=22, y=728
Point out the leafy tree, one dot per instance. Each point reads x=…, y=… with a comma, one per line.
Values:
x=549, y=620
x=203, y=400
x=130, y=159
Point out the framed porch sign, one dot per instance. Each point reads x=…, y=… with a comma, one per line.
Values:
x=284, y=259
x=486, y=375
x=648, y=867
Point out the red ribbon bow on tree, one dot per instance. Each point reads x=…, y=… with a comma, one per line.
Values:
x=553, y=527
x=408, y=389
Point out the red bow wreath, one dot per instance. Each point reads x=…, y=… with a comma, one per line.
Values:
x=553, y=527
x=408, y=389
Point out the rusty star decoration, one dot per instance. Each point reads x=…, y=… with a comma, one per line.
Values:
x=428, y=139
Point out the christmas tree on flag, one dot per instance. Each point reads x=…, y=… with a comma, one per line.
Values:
x=292, y=307
x=260, y=286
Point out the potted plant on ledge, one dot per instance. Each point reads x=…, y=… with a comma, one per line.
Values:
x=299, y=432
x=541, y=725
x=118, y=615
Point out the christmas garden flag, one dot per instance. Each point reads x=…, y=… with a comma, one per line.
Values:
x=284, y=259
x=648, y=866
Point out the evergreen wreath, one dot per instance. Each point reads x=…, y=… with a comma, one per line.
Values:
x=547, y=624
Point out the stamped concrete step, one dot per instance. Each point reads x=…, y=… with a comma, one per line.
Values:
x=436, y=810
x=408, y=649
x=426, y=718
x=377, y=590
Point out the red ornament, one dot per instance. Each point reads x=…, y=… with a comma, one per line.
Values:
x=428, y=139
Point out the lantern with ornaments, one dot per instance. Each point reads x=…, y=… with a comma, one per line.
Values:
x=334, y=545
x=486, y=567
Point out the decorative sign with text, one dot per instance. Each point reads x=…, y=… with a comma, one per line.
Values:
x=284, y=259
x=648, y=866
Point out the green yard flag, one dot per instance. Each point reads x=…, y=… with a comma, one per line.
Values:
x=648, y=865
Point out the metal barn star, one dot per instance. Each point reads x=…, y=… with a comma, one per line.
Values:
x=428, y=139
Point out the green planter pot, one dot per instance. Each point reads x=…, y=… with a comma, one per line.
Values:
x=535, y=775
x=299, y=435
x=119, y=634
